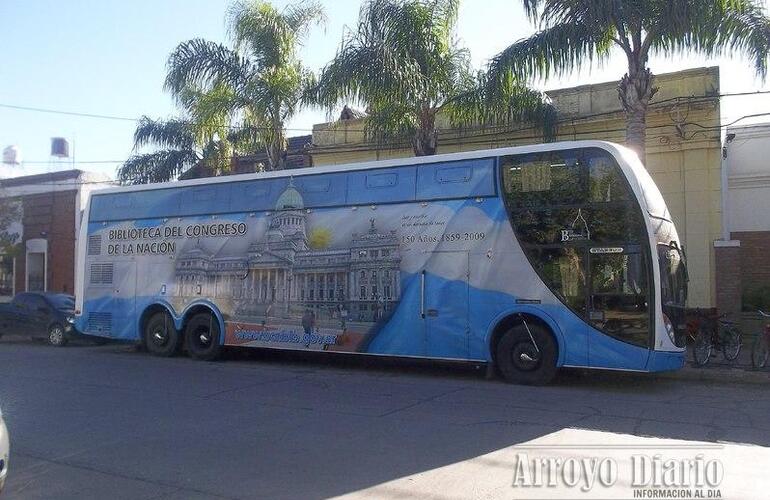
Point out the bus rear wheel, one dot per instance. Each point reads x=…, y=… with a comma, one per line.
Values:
x=202, y=337
x=526, y=354
x=160, y=336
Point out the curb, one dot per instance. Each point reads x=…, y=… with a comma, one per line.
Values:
x=719, y=375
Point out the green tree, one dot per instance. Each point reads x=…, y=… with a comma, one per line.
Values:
x=10, y=213
x=200, y=139
x=404, y=64
x=577, y=33
x=264, y=79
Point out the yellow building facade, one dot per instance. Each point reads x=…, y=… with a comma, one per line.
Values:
x=683, y=151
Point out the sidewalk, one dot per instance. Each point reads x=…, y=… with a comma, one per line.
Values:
x=719, y=370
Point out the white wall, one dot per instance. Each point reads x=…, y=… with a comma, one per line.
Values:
x=748, y=178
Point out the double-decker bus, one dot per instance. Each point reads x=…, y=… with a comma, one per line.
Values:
x=531, y=258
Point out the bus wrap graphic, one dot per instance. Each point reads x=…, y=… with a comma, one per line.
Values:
x=430, y=257
x=316, y=279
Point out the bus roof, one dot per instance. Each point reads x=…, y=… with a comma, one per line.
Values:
x=408, y=161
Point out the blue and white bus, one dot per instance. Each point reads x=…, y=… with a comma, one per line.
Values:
x=531, y=258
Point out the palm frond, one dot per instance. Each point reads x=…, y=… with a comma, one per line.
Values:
x=211, y=111
x=301, y=16
x=175, y=134
x=713, y=27
x=200, y=63
x=554, y=51
x=160, y=166
x=394, y=123
x=503, y=101
x=269, y=36
x=404, y=65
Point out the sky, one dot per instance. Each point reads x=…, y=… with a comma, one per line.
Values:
x=108, y=57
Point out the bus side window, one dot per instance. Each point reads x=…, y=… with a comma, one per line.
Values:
x=251, y=196
x=459, y=179
x=381, y=180
x=122, y=201
x=382, y=186
x=202, y=194
x=322, y=190
x=447, y=175
x=203, y=200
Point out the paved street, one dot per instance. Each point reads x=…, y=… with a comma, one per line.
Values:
x=110, y=422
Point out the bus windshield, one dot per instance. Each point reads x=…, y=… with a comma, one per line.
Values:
x=583, y=230
x=673, y=276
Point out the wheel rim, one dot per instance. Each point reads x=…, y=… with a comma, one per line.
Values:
x=202, y=338
x=160, y=337
x=56, y=335
x=702, y=351
x=525, y=357
x=760, y=353
x=732, y=347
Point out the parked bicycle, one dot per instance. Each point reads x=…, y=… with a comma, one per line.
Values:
x=709, y=333
x=760, y=350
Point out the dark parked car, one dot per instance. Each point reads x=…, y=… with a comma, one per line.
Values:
x=47, y=315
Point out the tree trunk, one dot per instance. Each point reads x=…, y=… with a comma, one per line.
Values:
x=635, y=91
x=276, y=150
x=425, y=142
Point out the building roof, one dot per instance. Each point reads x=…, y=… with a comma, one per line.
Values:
x=37, y=179
x=349, y=113
x=296, y=157
x=62, y=180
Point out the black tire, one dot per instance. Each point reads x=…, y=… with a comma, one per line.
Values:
x=522, y=362
x=56, y=335
x=202, y=337
x=702, y=348
x=160, y=336
x=732, y=340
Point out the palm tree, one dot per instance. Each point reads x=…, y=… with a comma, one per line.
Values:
x=575, y=33
x=201, y=139
x=264, y=79
x=404, y=64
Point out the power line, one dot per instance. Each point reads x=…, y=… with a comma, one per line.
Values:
x=68, y=113
x=124, y=118
x=473, y=139
x=299, y=129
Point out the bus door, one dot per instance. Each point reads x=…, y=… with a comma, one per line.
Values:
x=124, y=299
x=112, y=289
x=618, y=303
x=444, y=306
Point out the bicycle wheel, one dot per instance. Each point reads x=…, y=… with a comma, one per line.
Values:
x=760, y=351
x=701, y=351
x=732, y=340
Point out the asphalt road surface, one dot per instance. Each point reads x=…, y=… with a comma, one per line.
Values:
x=110, y=422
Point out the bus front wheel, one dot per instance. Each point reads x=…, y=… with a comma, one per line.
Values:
x=160, y=336
x=202, y=337
x=526, y=354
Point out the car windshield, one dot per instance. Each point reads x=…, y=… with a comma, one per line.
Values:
x=62, y=302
